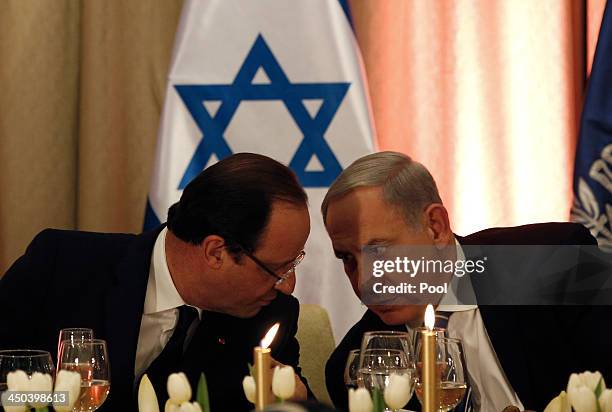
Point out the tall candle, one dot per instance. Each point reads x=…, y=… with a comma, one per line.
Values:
x=262, y=357
x=429, y=373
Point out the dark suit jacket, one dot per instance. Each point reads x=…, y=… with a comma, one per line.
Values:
x=96, y=280
x=538, y=346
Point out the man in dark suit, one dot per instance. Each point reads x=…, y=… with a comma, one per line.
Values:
x=230, y=246
x=515, y=355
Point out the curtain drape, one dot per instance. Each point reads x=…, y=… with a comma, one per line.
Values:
x=83, y=83
x=486, y=93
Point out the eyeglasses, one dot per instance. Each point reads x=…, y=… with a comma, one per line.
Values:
x=286, y=274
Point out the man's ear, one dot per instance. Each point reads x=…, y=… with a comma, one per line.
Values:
x=213, y=251
x=438, y=225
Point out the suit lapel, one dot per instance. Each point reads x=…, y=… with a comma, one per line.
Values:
x=502, y=327
x=124, y=312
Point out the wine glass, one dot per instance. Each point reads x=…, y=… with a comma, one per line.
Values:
x=73, y=335
x=377, y=365
x=450, y=365
x=388, y=340
x=351, y=371
x=90, y=359
x=29, y=361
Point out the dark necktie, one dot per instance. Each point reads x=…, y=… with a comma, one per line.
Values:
x=465, y=405
x=169, y=359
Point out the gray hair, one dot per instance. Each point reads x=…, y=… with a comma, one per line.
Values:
x=406, y=184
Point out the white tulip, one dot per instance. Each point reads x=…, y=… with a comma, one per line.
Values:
x=588, y=379
x=67, y=381
x=179, y=389
x=605, y=401
x=559, y=404
x=190, y=407
x=147, y=400
x=248, y=385
x=583, y=399
x=283, y=382
x=41, y=382
x=14, y=408
x=397, y=393
x=171, y=407
x=359, y=400
x=18, y=381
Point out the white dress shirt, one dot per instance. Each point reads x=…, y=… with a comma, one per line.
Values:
x=160, y=313
x=491, y=390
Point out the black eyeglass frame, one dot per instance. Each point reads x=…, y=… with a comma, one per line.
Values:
x=279, y=278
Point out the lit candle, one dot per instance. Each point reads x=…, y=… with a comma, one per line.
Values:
x=428, y=356
x=263, y=381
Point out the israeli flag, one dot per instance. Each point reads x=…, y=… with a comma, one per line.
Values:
x=279, y=78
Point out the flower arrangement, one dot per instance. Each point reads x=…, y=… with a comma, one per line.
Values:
x=395, y=396
x=179, y=395
x=283, y=384
x=42, y=383
x=586, y=392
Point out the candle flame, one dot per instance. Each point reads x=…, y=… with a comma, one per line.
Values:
x=430, y=317
x=267, y=340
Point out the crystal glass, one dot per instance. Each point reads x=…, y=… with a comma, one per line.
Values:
x=351, y=371
x=73, y=335
x=29, y=361
x=389, y=361
x=450, y=364
x=377, y=365
x=90, y=359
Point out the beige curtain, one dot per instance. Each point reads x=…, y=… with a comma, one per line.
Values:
x=82, y=87
x=486, y=93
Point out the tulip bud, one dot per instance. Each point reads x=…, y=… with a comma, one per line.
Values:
x=248, y=385
x=605, y=400
x=190, y=407
x=171, y=407
x=283, y=382
x=41, y=382
x=397, y=393
x=583, y=399
x=17, y=381
x=359, y=400
x=147, y=400
x=179, y=389
x=67, y=381
x=559, y=404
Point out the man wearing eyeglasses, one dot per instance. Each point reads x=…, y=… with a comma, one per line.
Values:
x=195, y=295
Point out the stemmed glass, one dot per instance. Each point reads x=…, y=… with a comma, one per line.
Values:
x=377, y=365
x=29, y=361
x=351, y=371
x=450, y=364
x=90, y=359
x=384, y=353
x=73, y=335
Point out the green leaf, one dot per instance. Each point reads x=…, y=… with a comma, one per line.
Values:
x=202, y=395
x=378, y=400
x=598, y=390
x=251, y=370
x=600, y=387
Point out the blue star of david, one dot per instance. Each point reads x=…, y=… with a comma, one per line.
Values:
x=279, y=88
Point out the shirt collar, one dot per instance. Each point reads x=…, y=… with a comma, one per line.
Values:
x=161, y=292
x=460, y=290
